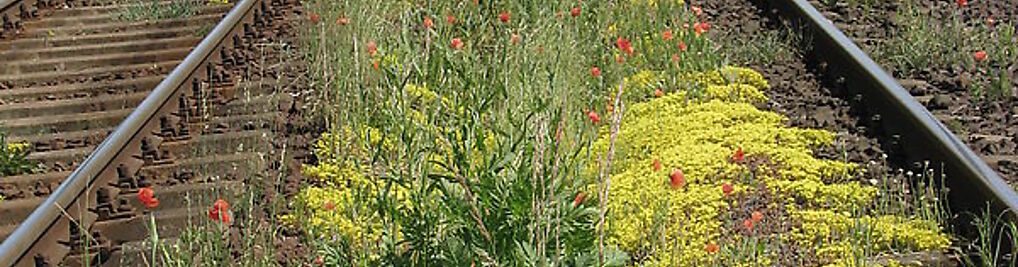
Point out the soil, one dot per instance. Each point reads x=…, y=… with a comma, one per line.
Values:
x=800, y=92
x=988, y=126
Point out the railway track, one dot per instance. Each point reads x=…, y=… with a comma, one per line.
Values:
x=193, y=135
x=194, y=123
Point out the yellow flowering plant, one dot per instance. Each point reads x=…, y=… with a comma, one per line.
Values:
x=699, y=137
x=14, y=157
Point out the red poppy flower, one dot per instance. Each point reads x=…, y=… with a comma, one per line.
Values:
x=220, y=211
x=372, y=48
x=667, y=35
x=428, y=23
x=319, y=261
x=657, y=165
x=374, y=64
x=314, y=17
x=594, y=118
x=515, y=38
x=727, y=189
x=575, y=12
x=712, y=248
x=624, y=45
x=682, y=46
x=678, y=179
x=658, y=93
x=456, y=43
x=329, y=205
x=701, y=27
x=979, y=56
x=595, y=71
x=579, y=199
x=342, y=21
x=504, y=17
x=697, y=11
x=748, y=224
x=738, y=156
x=147, y=198
x=963, y=3
x=757, y=216
x=450, y=19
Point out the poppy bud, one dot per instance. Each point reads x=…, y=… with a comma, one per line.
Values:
x=738, y=156
x=713, y=248
x=504, y=17
x=979, y=56
x=678, y=179
x=757, y=216
x=579, y=199
x=594, y=118
x=456, y=43
x=428, y=23
x=727, y=189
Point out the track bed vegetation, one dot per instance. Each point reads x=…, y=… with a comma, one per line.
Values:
x=647, y=133
x=958, y=58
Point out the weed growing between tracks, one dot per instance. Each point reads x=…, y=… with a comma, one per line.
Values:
x=930, y=36
x=567, y=133
x=923, y=43
x=242, y=232
x=137, y=10
x=14, y=158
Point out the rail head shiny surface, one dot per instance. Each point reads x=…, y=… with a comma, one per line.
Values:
x=18, y=244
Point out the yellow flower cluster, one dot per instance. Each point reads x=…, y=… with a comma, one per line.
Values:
x=724, y=76
x=341, y=204
x=640, y=86
x=698, y=136
x=18, y=148
x=835, y=235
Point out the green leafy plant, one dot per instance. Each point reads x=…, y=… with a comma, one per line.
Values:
x=14, y=157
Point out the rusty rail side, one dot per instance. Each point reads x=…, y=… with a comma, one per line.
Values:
x=61, y=225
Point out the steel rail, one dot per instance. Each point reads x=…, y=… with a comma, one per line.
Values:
x=41, y=234
x=971, y=181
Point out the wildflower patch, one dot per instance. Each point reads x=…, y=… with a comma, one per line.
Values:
x=710, y=139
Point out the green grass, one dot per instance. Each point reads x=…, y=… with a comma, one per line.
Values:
x=484, y=167
x=139, y=10
x=923, y=42
x=761, y=49
x=481, y=178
